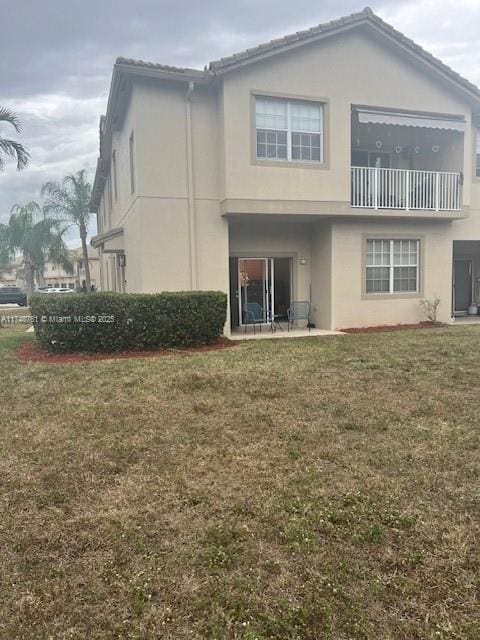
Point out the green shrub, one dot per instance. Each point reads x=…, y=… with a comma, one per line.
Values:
x=91, y=322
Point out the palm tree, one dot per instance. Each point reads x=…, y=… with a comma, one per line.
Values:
x=37, y=238
x=4, y=250
x=12, y=148
x=69, y=202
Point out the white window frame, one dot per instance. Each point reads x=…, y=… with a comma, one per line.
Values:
x=392, y=266
x=289, y=130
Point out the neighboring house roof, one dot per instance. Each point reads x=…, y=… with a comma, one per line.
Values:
x=77, y=253
x=12, y=266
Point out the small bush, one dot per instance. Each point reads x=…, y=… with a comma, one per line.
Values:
x=430, y=308
x=93, y=322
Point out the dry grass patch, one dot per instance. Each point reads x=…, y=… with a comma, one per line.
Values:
x=303, y=489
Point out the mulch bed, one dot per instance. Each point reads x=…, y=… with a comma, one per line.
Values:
x=32, y=352
x=386, y=328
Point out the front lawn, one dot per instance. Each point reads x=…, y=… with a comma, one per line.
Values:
x=319, y=488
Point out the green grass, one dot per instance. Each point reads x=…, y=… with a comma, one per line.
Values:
x=319, y=488
x=11, y=336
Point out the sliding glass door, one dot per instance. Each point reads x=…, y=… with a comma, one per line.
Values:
x=255, y=291
x=264, y=286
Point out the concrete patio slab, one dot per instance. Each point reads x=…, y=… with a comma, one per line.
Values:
x=460, y=320
x=267, y=334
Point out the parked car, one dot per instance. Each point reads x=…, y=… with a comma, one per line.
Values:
x=57, y=290
x=13, y=295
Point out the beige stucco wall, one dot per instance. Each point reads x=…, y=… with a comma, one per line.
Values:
x=345, y=70
x=251, y=238
x=160, y=216
x=321, y=275
x=120, y=144
x=155, y=218
x=334, y=275
x=352, y=308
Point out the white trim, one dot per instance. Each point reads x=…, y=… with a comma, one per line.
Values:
x=290, y=131
x=385, y=188
x=391, y=266
x=268, y=286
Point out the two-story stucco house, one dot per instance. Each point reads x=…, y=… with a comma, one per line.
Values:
x=337, y=165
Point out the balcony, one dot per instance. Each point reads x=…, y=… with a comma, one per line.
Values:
x=405, y=189
x=405, y=160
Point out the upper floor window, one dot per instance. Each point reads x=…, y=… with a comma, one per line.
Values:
x=114, y=175
x=110, y=202
x=100, y=221
x=392, y=266
x=289, y=130
x=132, y=162
x=477, y=155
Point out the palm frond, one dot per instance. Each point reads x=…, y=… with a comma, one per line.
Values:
x=16, y=150
x=12, y=148
x=22, y=220
x=5, y=252
x=7, y=115
x=69, y=201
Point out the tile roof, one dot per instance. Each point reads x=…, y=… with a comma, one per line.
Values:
x=291, y=38
x=156, y=66
x=364, y=16
x=218, y=67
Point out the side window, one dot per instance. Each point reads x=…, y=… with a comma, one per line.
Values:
x=132, y=162
x=114, y=175
x=477, y=155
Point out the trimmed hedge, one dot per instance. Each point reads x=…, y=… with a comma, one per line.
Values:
x=94, y=322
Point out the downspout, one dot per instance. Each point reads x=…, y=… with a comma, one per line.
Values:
x=191, y=187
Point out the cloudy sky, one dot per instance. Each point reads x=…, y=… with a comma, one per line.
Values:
x=57, y=56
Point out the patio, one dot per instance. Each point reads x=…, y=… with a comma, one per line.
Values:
x=461, y=320
x=266, y=333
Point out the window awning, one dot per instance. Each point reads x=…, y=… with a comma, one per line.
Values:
x=404, y=119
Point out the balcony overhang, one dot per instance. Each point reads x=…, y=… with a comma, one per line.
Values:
x=370, y=115
x=304, y=210
x=111, y=241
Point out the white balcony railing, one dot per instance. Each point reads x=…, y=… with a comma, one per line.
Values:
x=406, y=189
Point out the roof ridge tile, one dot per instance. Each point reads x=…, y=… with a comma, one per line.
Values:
x=366, y=15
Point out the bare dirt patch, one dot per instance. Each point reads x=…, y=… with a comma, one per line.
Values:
x=32, y=352
x=388, y=328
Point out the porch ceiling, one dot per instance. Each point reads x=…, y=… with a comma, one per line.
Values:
x=409, y=119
